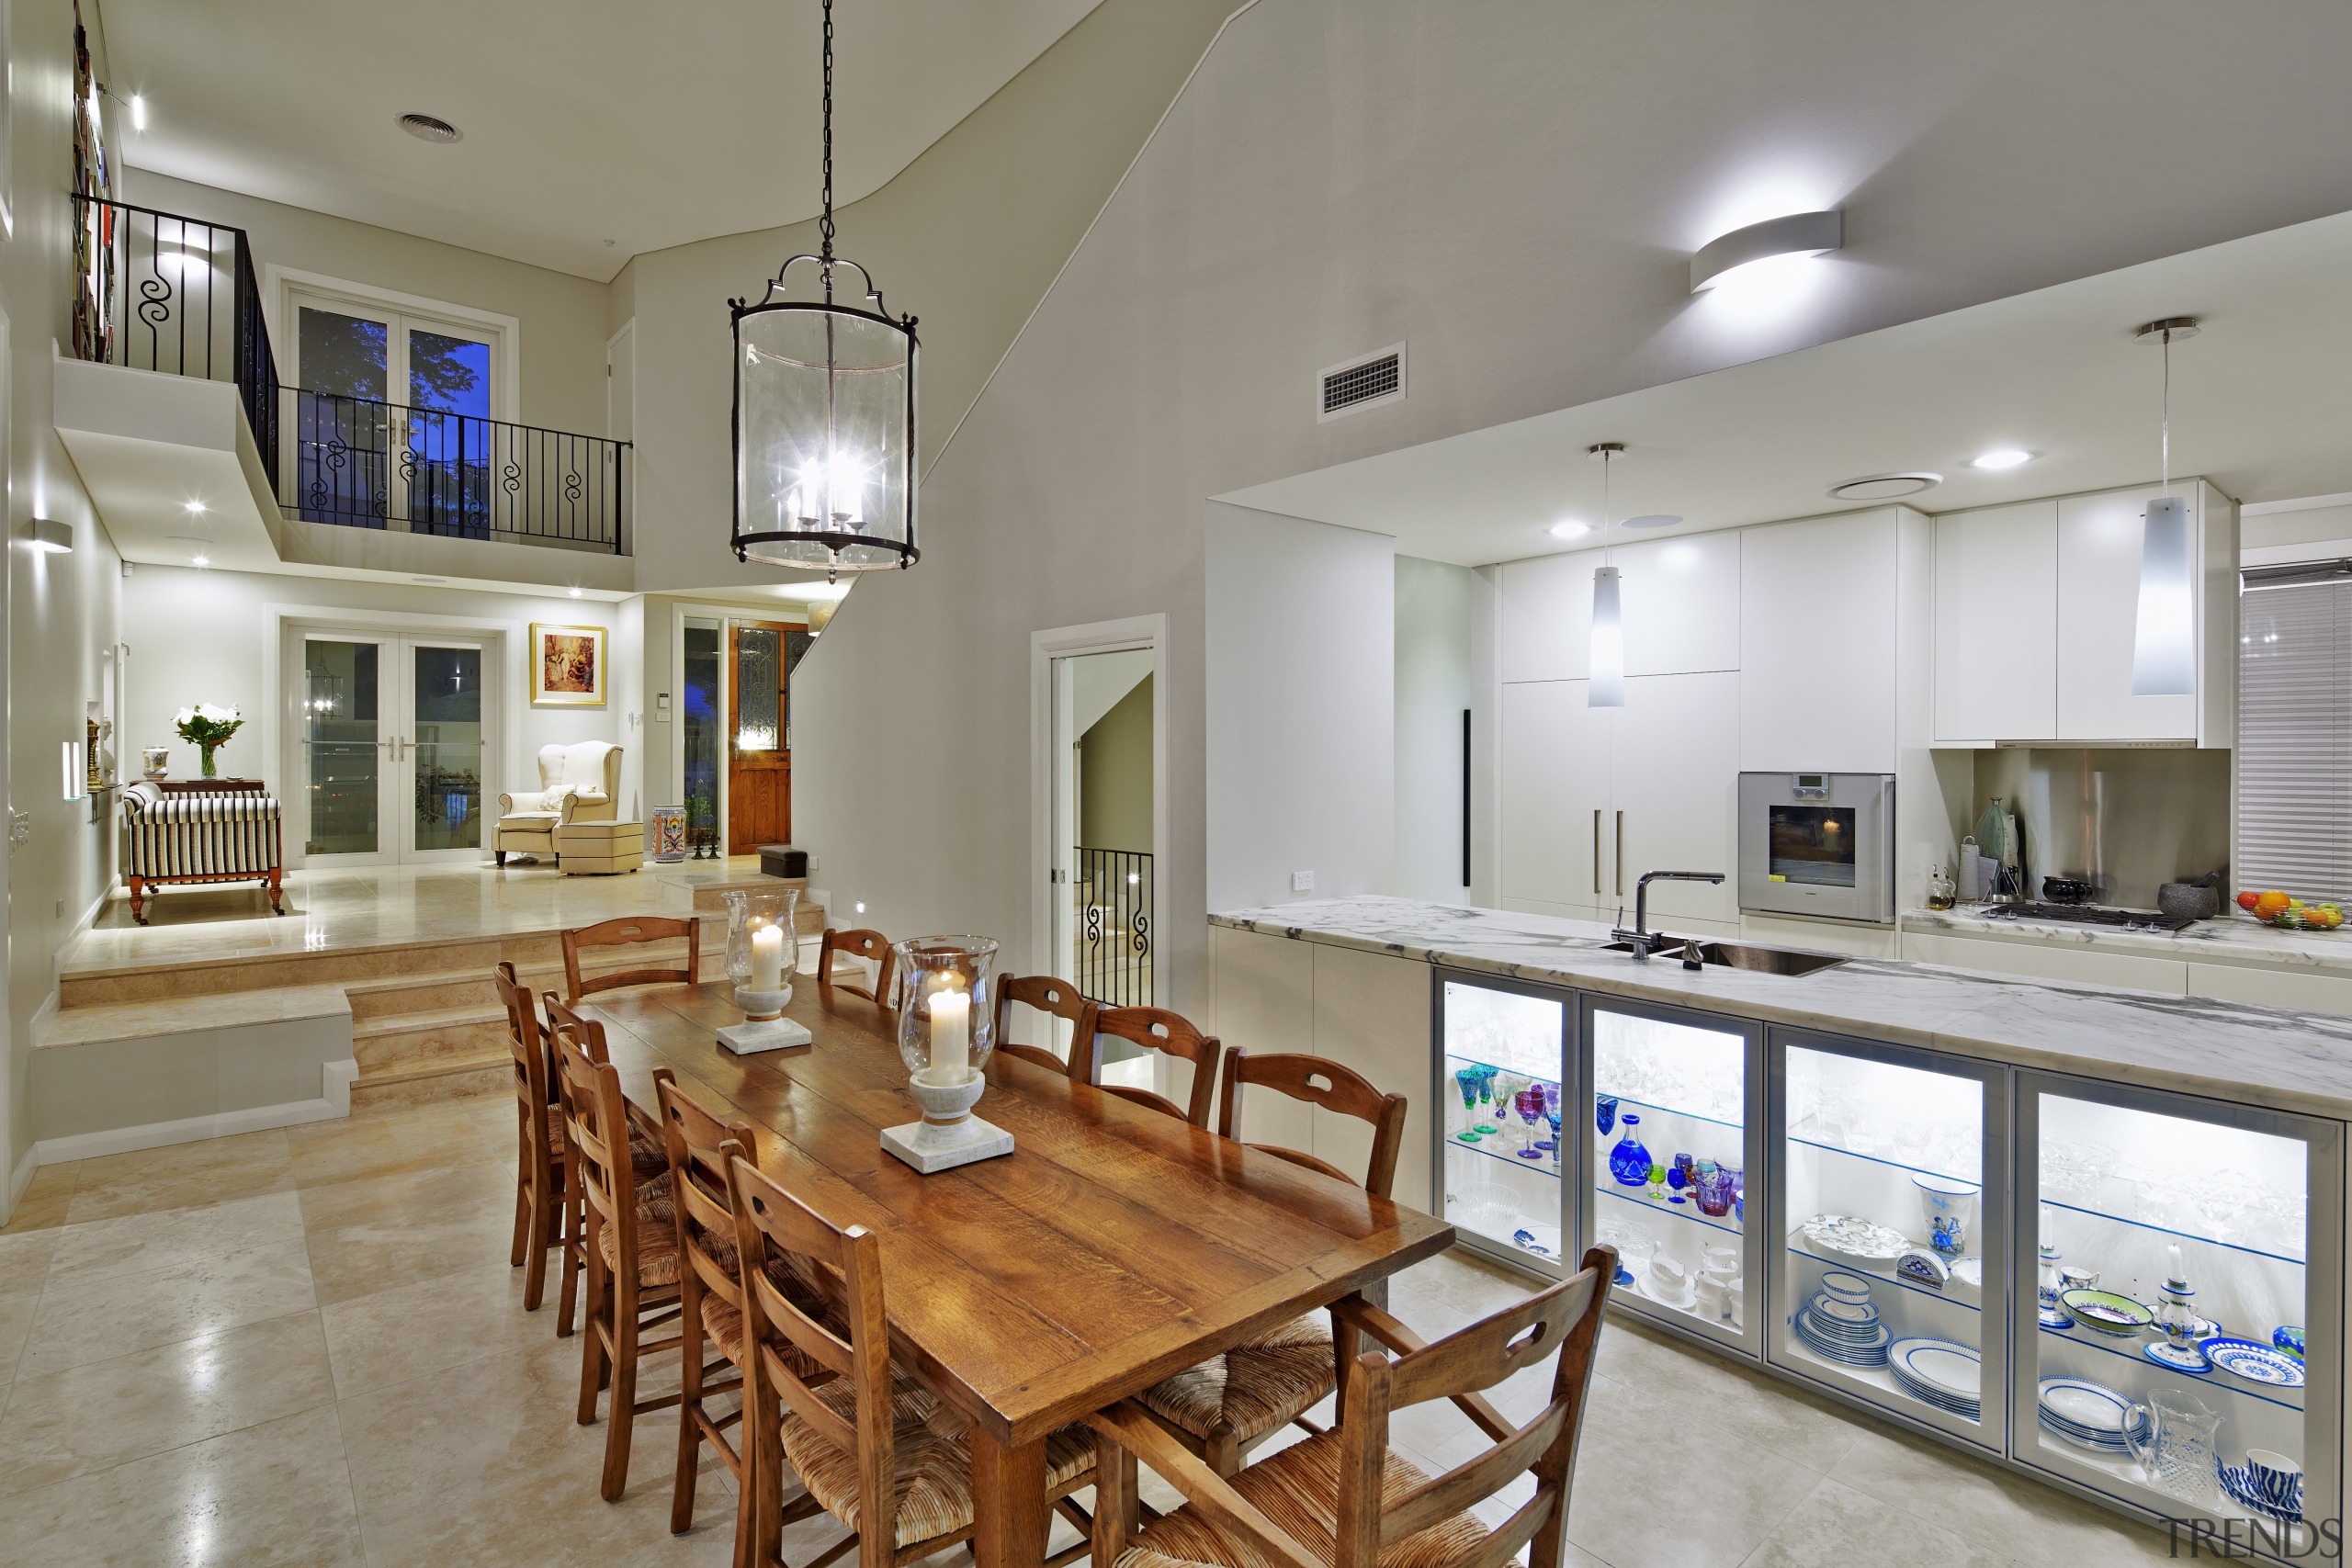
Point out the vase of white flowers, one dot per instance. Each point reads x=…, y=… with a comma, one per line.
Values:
x=208, y=728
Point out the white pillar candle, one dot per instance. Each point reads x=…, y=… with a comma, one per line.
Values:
x=950, y=1035
x=767, y=959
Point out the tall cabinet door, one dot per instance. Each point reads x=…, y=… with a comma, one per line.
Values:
x=1996, y=623
x=1675, y=779
x=1554, y=797
x=2099, y=614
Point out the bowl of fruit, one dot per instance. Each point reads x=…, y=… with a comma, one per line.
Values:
x=2276, y=908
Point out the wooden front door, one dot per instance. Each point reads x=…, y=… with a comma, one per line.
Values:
x=759, y=732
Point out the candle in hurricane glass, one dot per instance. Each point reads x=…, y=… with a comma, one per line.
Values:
x=951, y=1032
x=767, y=959
x=946, y=1031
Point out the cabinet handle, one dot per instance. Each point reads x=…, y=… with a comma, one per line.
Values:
x=1595, y=850
x=1621, y=854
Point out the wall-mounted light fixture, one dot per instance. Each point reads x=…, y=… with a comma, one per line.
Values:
x=48, y=537
x=1799, y=234
x=76, y=777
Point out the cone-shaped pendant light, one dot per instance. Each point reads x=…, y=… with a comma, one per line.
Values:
x=2164, y=639
x=1606, y=688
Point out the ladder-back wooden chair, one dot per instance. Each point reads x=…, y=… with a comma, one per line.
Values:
x=1226, y=1406
x=1158, y=1030
x=866, y=944
x=648, y=1149
x=864, y=1430
x=625, y=931
x=1345, y=1497
x=540, y=1161
x=1056, y=999
x=630, y=1238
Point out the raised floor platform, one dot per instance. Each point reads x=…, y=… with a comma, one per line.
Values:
x=375, y=988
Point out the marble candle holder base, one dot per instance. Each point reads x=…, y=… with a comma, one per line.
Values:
x=764, y=1027
x=949, y=1134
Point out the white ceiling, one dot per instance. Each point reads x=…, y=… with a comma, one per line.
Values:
x=2261, y=404
x=643, y=125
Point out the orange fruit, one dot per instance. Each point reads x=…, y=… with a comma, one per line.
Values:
x=2271, y=903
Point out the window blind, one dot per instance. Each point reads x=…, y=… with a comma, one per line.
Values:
x=2295, y=738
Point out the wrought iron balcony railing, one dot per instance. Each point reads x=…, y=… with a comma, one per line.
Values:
x=156, y=291
x=1113, y=963
x=374, y=465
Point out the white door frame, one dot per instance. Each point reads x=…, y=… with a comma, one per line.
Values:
x=504, y=677
x=1133, y=632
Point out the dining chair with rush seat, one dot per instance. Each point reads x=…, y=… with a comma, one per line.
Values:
x=1056, y=999
x=870, y=945
x=1347, y=1499
x=1221, y=1408
x=1155, y=1029
x=628, y=930
x=541, y=1162
x=647, y=1150
x=874, y=1447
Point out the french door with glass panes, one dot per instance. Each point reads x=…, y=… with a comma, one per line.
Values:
x=392, y=419
x=396, y=735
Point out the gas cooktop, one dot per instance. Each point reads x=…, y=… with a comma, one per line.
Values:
x=2091, y=915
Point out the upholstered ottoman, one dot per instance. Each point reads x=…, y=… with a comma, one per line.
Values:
x=584, y=849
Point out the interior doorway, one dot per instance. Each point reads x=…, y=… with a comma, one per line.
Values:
x=1099, y=806
x=760, y=656
x=394, y=737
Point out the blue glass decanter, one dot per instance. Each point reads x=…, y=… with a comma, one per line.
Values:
x=1629, y=1162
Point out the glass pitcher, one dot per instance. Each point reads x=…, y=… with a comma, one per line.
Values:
x=2179, y=1446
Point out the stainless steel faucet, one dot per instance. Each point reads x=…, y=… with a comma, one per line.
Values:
x=1645, y=941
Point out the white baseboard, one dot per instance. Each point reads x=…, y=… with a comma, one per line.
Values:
x=335, y=1080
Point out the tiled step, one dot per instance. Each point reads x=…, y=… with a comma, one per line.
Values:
x=414, y=1040
x=405, y=994
x=439, y=1078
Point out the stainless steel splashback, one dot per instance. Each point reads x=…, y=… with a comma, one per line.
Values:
x=2127, y=819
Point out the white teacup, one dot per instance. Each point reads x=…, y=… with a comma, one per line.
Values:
x=1736, y=1289
x=1714, y=1297
x=1669, y=1278
x=1722, y=1258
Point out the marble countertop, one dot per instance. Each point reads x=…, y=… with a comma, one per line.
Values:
x=2234, y=939
x=2276, y=1058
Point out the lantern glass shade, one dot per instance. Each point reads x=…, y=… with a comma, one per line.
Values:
x=2164, y=650
x=1606, y=689
x=824, y=437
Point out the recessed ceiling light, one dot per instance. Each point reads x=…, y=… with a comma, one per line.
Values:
x=429, y=127
x=194, y=506
x=1569, y=530
x=575, y=593
x=1653, y=520
x=1884, y=487
x=2000, y=457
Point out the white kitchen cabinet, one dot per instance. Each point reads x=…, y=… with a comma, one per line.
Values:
x=1819, y=606
x=1554, y=792
x=1674, y=782
x=1264, y=989
x=1996, y=624
x=1373, y=1013
x=1679, y=598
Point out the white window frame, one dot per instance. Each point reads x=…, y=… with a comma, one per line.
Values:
x=281, y=284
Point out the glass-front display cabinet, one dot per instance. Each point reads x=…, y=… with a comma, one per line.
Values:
x=1889, y=1207
x=1674, y=1140
x=1501, y=1073
x=2177, y=1350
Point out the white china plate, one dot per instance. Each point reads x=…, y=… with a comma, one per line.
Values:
x=1954, y=1371
x=1855, y=1237
x=2084, y=1406
x=1830, y=1309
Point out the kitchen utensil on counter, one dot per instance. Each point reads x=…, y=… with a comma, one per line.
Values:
x=2196, y=900
x=2069, y=889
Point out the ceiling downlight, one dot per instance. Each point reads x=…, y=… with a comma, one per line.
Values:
x=429, y=127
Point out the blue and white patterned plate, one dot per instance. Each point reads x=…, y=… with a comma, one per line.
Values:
x=2263, y=1364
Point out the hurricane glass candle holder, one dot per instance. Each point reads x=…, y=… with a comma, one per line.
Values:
x=761, y=955
x=946, y=1034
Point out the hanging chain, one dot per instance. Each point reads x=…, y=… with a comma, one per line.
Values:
x=825, y=225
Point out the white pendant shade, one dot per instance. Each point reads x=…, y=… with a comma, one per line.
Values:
x=1606, y=689
x=2164, y=639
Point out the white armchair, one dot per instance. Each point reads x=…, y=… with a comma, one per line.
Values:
x=577, y=784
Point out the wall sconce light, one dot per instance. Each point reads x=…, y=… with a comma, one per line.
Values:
x=75, y=776
x=48, y=537
x=1798, y=234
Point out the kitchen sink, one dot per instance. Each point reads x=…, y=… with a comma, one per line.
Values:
x=1739, y=955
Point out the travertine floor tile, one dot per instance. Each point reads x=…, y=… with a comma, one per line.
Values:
x=490, y=1468
x=403, y=1140
x=1706, y=1390
x=44, y=1202
x=169, y=1239
x=85, y=1319
x=182, y=1176
x=279, y=1494
x=2009, y=1514
x=92, y=1417
x=16, y=1310
x=382, y=1231
x=1838, y=1524
x=424, y=1328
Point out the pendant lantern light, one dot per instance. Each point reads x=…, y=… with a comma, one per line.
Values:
x=1606, y=688
x=2164, y=639
x=824, y=420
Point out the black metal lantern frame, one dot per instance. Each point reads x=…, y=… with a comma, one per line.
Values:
x=824, y=415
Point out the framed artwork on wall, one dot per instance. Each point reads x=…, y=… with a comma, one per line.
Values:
x=567, y=666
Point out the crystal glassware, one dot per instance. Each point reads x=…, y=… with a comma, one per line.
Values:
x=1629, y=1162
x=1529, y=1104
x=1657, y=1182
x=1604, y=1113
x=1467, y=1079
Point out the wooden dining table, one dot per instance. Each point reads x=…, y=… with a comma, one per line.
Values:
x=1113, y=1247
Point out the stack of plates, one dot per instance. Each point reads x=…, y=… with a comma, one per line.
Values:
x=1938, y=1372
x=2088, y=1415
x=1840, y=1324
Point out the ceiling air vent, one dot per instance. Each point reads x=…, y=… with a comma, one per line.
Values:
x=1361, y=384
x=429, y=127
